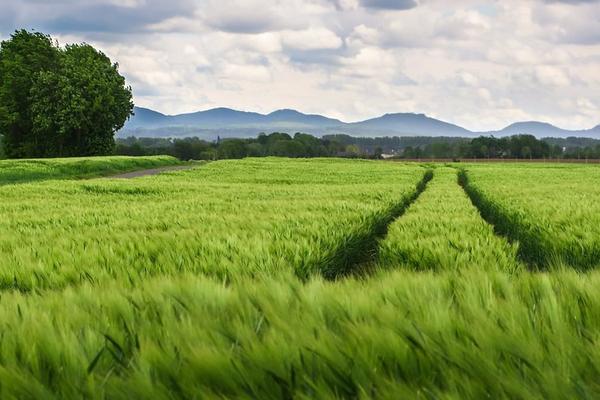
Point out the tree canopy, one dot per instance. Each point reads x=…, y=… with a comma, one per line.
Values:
x=59, y=101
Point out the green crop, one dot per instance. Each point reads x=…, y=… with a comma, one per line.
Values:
x=551, y=210
x=310, y=279
x=470, y=335
x=442, y=230
x=230, y=219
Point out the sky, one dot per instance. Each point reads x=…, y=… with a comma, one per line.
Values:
x=479, y=64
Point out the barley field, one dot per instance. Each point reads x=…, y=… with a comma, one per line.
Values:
x=277, y=278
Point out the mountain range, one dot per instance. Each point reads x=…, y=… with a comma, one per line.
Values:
x=225, y=122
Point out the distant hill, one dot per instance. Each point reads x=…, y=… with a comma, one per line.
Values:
x=296, y=117
x=226, y=122
x=144, y=118
x=541, y=129
x=408, y=124
x=216, y=117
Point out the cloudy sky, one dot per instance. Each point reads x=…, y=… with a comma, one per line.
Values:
x=481, y=64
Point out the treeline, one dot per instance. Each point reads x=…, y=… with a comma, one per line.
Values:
x=275, y=144
x=513, y=147
x=396, y=144
x=519, y=146
x=576, y=147
x=304, y=145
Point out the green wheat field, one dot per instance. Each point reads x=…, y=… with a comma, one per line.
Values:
x=270, y=278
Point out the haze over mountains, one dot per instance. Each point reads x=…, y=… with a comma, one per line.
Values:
x=226, y=122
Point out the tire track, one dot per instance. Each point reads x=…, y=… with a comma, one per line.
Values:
x=531, y=249
x=358, y=254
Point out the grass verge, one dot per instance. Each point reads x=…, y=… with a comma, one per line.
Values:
x=22, y=171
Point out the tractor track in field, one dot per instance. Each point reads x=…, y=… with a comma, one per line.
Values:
x=359, y=256
x=531, y=250
x=150, y=172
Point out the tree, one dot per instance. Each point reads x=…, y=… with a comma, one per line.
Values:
x=483, y=150
x=135, y=149
x=378, y=152
x=190, y=148
x=22, y=59
x=256, y=149
x=276, y=136
x=439, y=150
x=287, y=148
x=408, y=152
x=312, y=146
x=232, y=148
x=75, y=103
x=352, y=150
x=556, y=151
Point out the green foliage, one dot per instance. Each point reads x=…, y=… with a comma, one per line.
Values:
x=191, y=149
x=519, y=146
x=231, y=149
x=394, y=144
x=304, y=145
x=588, y=152
x=22, y=59
x=287, y=148
x=75, y=99
x=275, y=144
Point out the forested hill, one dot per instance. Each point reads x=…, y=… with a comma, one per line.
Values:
x=229, y=123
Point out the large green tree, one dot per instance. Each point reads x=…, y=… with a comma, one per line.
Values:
x=59, y=101
x=22, y=59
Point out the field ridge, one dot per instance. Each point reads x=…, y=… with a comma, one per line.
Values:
x=355, y=254
x=531, y=249
x=443, y=231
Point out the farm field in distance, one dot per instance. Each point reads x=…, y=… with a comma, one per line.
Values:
x=280, y=278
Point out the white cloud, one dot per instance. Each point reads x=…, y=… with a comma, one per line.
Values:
x=481, y=64
x=551, y=76
x=311, y=39
x=463, y=24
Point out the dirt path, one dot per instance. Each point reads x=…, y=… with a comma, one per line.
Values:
x=152, y=171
